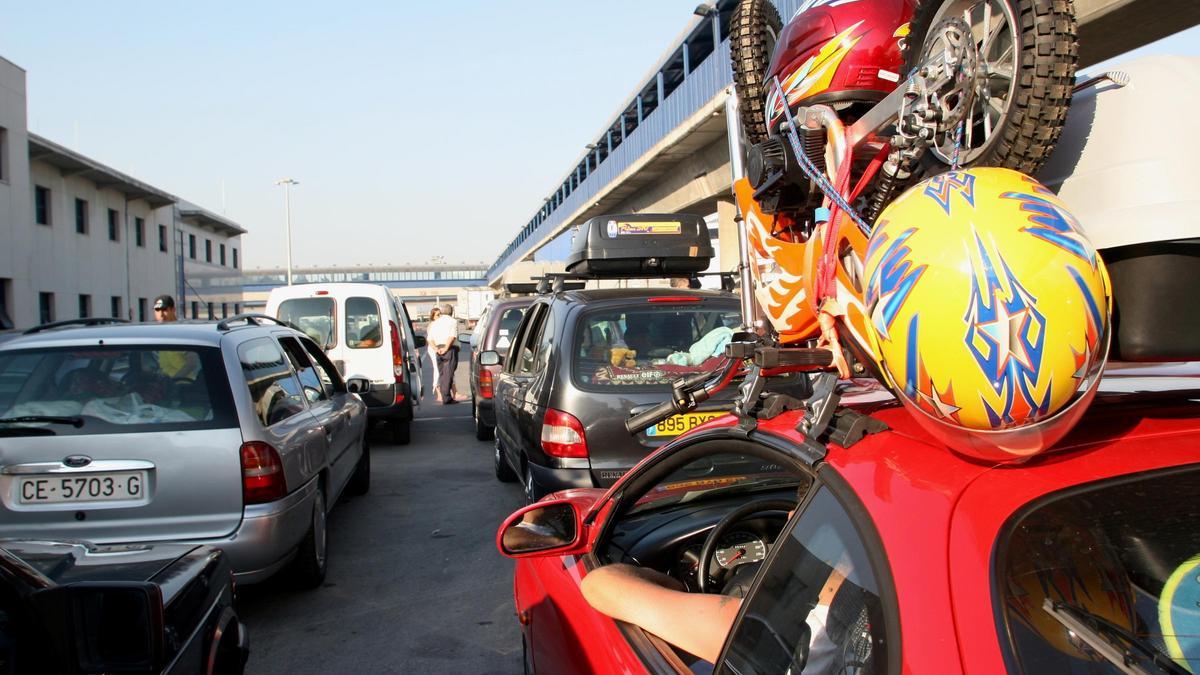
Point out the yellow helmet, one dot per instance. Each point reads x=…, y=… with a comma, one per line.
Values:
x=989, y=311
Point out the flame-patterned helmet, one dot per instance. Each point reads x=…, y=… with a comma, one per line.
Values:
x=989, y=310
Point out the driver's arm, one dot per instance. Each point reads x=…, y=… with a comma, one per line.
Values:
x=695, y=622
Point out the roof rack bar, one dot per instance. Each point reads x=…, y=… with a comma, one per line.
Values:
x=87, y=321
x=253, y=318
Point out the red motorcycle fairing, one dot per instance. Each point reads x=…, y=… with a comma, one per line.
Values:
x=839, y=51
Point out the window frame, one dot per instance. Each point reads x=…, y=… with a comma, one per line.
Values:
x=321, y=360
x=162, y=238
x=114, y=225
x=526, y=334
x=291, y=374
x=42, y=210
x=82, y=216
x=139, y=231
x=295, y=353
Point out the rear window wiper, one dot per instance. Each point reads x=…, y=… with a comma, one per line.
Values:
x=43, y=419
x=1100, y=634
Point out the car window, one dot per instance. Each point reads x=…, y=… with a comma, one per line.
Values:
x=314, y=389
x=274, y=388
x=1115, y=564
x=315, y=317
x=364, y=326
x=330, y=378
x=817, y=605
x=650, y=346
x=522, y=359
x=117, y=389
x=506, y=328
x=481, y=328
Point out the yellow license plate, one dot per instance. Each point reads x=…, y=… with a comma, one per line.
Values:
x=677, y=424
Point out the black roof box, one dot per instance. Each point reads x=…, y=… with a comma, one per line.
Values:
x=641, y=245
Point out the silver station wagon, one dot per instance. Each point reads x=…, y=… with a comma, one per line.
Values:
x=239, y=434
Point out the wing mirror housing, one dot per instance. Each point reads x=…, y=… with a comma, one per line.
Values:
x=358, y=384
x=489, y=358
x=549, y=528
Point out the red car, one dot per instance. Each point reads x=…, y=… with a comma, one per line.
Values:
x=1082, y=560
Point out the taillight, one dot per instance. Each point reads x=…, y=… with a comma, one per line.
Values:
x=562, y=435
x=397, y=361
x=262, y=474
x=674, y=298
x=485, y=383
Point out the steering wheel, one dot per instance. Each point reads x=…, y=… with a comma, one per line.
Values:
x=710, y=543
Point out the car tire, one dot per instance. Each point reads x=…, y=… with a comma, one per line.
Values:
x=401, y=431
x=528, y=667
x=483, y=432
x=504, y=472
x=532, y=492
x=312, y=557
x=360, y=480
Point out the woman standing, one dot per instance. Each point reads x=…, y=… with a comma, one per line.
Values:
x=431, y=352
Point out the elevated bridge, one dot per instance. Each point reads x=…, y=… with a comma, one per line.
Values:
x=666, y=149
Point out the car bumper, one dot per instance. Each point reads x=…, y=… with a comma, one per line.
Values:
x=268, y=536
x=551, y=479
x=381, y=403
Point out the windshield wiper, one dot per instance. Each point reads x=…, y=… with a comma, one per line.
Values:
x=46, y=419
x=1099, y=634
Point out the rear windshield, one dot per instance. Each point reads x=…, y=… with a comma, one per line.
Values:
x=105, y=390
x=363, y=327
x=313, y=316
x=1104, y=574
x=506, y=328
x=650, y=347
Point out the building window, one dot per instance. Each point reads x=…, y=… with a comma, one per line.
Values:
x=6, y=321
x=195, y=310
x=224, y=311
x=81, y=216
x=115, y=305
x=141, y=309
x=41, y=204
x=208, y=250
x=114, y=229
x=237, y=308
x=45, y=307
x=222, y=251
x=85, y=306
x=192, y=246
x=235, y=260
x=211, y=315
x=162, y=238
x=139, y=232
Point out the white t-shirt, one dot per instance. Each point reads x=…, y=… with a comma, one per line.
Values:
x=442, y=330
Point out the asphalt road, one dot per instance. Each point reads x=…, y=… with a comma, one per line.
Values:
x=415, y=584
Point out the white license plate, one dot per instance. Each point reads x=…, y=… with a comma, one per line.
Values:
x=114, y=486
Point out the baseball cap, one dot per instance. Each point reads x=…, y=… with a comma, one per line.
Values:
x=164, y=302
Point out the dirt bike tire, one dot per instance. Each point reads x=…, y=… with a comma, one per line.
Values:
x=753, y=29
x=1045, y=77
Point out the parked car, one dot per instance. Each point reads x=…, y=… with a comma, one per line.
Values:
x=490, y=341
x=364, y=331
x=1080, y=560
x=70, y=607
x=239, y=434
x=581, y=361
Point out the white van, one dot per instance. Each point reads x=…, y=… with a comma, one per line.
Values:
x=364, y=331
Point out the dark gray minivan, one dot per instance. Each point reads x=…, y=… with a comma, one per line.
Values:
x=582, y=361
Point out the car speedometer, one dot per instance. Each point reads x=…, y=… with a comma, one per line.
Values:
x=738, y=548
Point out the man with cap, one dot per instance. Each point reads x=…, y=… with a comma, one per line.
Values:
x=164, y=309
x=443, y=335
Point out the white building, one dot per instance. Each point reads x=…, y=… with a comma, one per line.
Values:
x=79, y=239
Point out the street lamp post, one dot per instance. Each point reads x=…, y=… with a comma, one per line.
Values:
x=287, y=184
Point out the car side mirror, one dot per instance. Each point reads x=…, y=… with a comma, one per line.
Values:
x=118, y=626
x=542, y=529
x=489, y=358
x=358, y=384
x=419, y=341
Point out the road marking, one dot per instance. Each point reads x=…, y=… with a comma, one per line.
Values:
x=454, y=417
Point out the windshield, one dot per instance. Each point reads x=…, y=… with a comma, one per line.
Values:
x=113, y=390
x=1113, y=568
x=313, y=316
x=717, y=474
x=652, y=346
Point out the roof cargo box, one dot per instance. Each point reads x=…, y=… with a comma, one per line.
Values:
x=1135, y=195
x=641, y=245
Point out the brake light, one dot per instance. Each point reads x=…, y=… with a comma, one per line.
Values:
x=675, y=298
x=321, y=293
x=397, y=361
x=262, y=474
x=562, y=435
x=485, y=383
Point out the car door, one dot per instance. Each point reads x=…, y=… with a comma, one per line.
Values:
x=329, y=415
x=412, y=355
x=534, y=390
x=523, y=399
x=508, y=388
x=351, y=410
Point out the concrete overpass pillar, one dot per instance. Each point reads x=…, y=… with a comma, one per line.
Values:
x=727, y=235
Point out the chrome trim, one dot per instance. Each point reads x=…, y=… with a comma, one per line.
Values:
x=96, y=466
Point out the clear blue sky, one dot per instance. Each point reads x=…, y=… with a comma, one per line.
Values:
x=416, y=128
